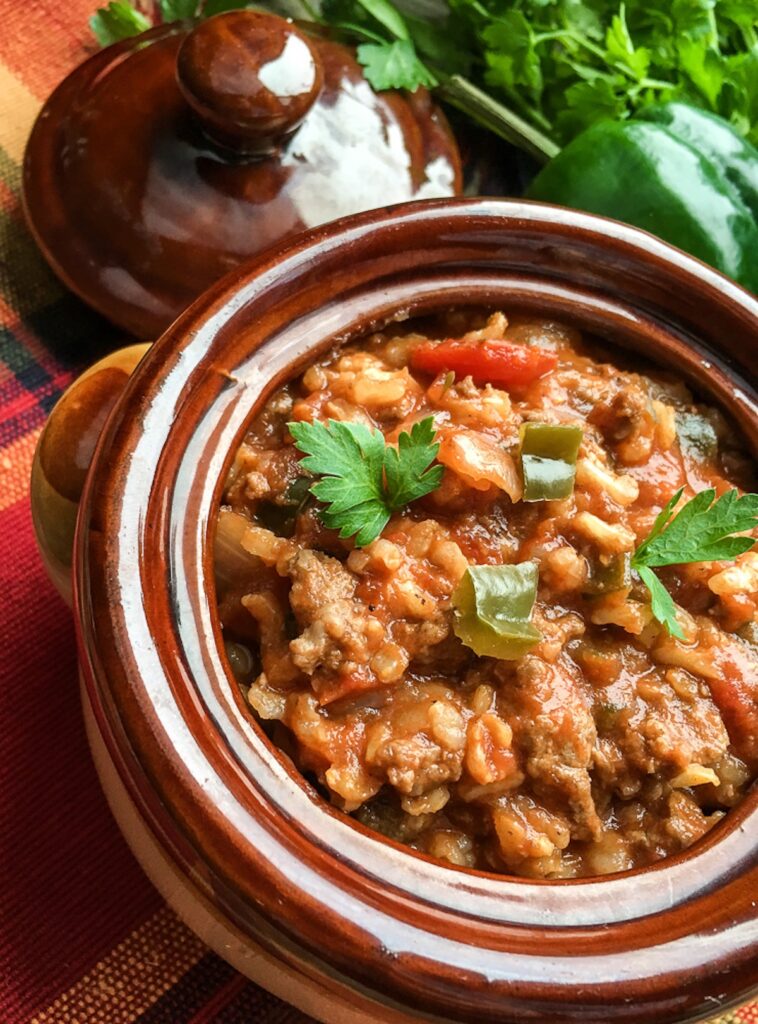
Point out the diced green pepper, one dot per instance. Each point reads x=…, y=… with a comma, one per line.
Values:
x=614, y=574
x=697, y=436
x=493, y=608
x=280, y=516
x=606, y=717
x=548, y=460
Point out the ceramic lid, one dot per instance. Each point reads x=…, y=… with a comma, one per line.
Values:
x=165, y=160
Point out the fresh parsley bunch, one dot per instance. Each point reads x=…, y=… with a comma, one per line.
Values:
x=565, y=64
x=536, y=71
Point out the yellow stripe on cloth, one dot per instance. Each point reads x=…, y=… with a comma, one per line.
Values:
x=18, y=108
x=15, y=469
x=26, y=282
x=132, y=977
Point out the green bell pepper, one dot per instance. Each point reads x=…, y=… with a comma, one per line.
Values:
x=606, y=577
x=677, y=172
x=493, y=608
x=548, y=460
x=715, y=139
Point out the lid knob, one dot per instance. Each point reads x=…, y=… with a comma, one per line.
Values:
x=250, y=77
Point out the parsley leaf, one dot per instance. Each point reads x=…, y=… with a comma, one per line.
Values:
x=394, y=66
x=587, y=101
x=739, y=96
x=177, y=10
x=621, y=49
x=211, y=7
x=704, y=68
x=388, y=16
x=706, y=529
x=662, y=603
x=511, y=55
x=119, y=20
x=364, y=480
x=702, y=531
x=408, y=468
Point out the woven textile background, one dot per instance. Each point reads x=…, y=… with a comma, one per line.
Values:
x=84, y=939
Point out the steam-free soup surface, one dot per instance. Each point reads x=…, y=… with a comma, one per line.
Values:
x=609, y=743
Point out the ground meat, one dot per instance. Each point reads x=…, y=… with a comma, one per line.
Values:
x=317, y=582
x=609, y=744
x=555, y=729
x=626, y=419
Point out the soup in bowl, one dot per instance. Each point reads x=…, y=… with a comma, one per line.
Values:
x=384, y=519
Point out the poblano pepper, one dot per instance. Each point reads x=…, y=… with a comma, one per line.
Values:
x=678, y=172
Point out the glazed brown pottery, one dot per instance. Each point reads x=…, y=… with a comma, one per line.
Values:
x=347, y=925
x=64, y=454
x=165, y=160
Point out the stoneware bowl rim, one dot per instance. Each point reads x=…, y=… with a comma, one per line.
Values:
x=412, y=935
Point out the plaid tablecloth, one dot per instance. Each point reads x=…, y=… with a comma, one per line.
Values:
x=84, y=938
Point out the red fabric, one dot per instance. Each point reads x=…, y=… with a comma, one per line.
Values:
x=70, y=886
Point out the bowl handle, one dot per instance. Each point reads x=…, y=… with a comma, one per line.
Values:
x=64, y=454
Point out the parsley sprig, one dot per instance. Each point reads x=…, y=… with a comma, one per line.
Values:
x=706, y=529
x=363, y=479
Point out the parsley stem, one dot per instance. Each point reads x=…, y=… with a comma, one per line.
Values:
x=654, y=83
x=544, y=37
x=482, y=108
x=580, y=40
x=587, y=44
x=360, y=31
x=312, y=13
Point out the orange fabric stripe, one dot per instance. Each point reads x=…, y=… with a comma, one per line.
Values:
x=132, y=977
x=42, y=41
x=18, y=109
x=15, y=467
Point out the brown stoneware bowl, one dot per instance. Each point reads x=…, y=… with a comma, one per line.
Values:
x=348, y=926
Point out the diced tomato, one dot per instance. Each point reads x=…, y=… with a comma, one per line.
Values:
x=735, y=693
x=488, y=362
x=329, y=687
